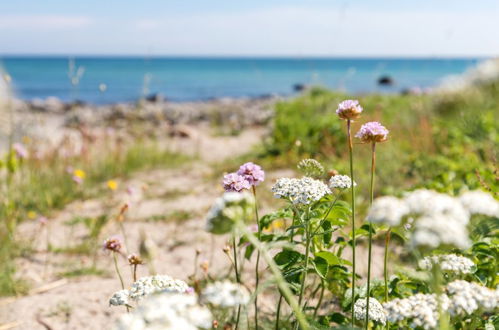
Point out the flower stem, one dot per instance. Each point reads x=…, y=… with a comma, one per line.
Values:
x=119, y=274
x=238, y=279
x=307, y=250
x=278, y=312
x=385, y=268
x=350, y=150
x=321, y=296
x=371, y=198
x=281, y=282
x=257, y=275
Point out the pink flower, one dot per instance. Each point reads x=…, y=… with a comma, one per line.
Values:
x=235, y=182
x=349, y=109
x=372, y=132
x=20, y=150
x=252, y=173
x=78, y=180
x=43, y=220
x=112, y=244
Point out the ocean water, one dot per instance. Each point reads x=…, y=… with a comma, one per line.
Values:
x=185, y=79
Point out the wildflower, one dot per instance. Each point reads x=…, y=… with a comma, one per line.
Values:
x=167, y=311
x=376, y=312
x=227, y=210
x=134, y=259
x=349, y=110
x=20, y=150
x=120, y=298
x=311, y=167
x=300, y=191
x=31, y=215
x=480, y=202
x=448, y=263
x=43, y=220
x=435, y=230
x=112, y=244
x=387, y=210
x=112, y=185
x=225, y=294
x=252, y=173
x=420, y=310
x=468, y=297
x=234, y=182
x=372, y=132
x=341, y=182
x=146, y=286
x=79, y=173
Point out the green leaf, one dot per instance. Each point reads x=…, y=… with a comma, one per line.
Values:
x=321, y=266
x=287, y=257
x=330, y=257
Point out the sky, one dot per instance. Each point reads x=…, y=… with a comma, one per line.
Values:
x=446, y=28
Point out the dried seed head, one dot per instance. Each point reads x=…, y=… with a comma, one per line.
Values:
x=112, y=244
x=135, y=259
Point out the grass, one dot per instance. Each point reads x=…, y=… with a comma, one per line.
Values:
x=37, y=187
x=176, y=216
x=84, y=271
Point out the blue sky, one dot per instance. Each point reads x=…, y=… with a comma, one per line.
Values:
x=252, y=28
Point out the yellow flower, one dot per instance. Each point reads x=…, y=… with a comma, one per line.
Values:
x=32, y=215
x=79, y=173
x=111, y=184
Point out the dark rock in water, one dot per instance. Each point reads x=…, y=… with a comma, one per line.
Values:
x=299, y=87
x=385, y=81
x=155, y=98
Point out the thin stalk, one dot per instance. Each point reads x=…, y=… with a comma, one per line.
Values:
x=321, y=296
x=281, y=282
x=135, y=273
x=238, y=279
x=373, y=167
x=307, y=250
x=350, y=150
x=278, y=312
x=385, y=268
x=257, y=275
x=119, y=274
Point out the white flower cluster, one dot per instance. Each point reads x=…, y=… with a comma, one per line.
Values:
x=421, y=310
x=311, y=167
x=387, y=210
x=225, y=294
x=146, y=286
x=468, y=297
x=341, y=182
x=448, y=263
x=167, y=311
x=376, y=311
x=442, y=221
x=120, y=298
x=300, y=191
x=226, y=210
x=480, y=202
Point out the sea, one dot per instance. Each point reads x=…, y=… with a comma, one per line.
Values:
x=103, y=80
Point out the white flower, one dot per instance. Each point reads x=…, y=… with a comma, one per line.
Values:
x=429, y=202
x=119, y=298
x=225, y=294
x=421, y=310
x=435, y=230
x=341, y=182
x=468, y=297
x=167, y=311
x=311, y=167
x=226, y=210
x=480, y=202
x=376, y=311
x=300, y=191
x=387, y=210
x=146, y=286
x=448, y=263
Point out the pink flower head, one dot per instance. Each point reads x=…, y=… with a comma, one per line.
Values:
x=235, y=182
x=43, y=220
x=78, y=180
x=112, y=244
x=190, y=290
x=372, y=132
x=349, y=109
x=20, y=150
x=252, y=172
